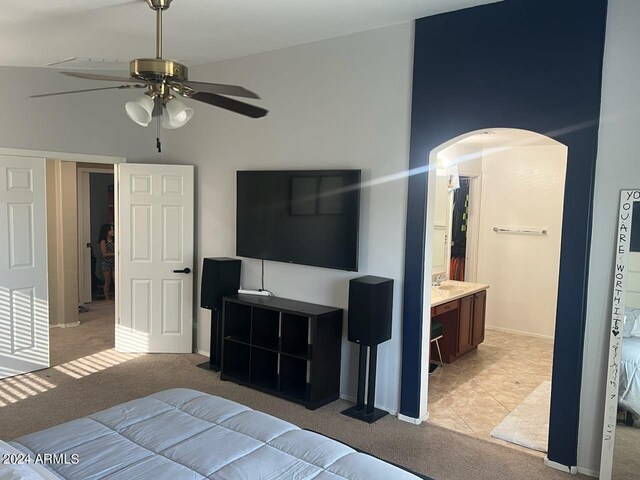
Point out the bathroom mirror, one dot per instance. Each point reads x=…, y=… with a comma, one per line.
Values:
x=620, y=457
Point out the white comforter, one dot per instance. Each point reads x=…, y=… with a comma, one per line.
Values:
x=629, y=397
x=185, y=434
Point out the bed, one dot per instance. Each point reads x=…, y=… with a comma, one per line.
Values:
x=629, y=397
x=629, y=383
x=185, y=434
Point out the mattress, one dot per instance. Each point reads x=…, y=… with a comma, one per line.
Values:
x=629, y=397
x=185, y=434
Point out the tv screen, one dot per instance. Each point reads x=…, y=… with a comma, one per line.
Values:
x=309, y=217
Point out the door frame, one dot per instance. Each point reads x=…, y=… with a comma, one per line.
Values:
x=84, y=224
x=473, y=225
x=65, y=157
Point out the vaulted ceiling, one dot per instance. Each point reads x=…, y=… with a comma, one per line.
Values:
x=39, y=32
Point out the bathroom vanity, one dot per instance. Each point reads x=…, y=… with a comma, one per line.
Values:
x=460, y=307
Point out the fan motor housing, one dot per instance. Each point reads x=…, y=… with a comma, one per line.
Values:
x=159, y=4
x=155, y=69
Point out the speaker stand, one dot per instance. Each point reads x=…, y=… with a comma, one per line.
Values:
x=367, y=413
x=215, y=357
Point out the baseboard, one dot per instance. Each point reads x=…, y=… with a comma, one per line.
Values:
x=588, y=472
x=203, y=352
x=348, y=397
x=528, y=334
x=412, y=420
x=64, y=325
x=381, y=407
x=559, y=466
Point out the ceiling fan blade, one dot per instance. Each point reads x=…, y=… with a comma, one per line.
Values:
x=120, y=87
x=94, y=76
x=230, y=104
x=220, y=88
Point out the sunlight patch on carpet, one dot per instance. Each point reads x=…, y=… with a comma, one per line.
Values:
x=21, y=387
x=84, y=366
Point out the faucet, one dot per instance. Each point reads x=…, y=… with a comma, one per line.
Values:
x=438, y=280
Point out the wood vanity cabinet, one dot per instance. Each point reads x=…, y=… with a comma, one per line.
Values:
x=464, y=323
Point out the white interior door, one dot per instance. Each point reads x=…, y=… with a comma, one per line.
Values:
x=24, y=303
x=154, y=241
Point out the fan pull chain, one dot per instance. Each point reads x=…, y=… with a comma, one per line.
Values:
x=158, y=142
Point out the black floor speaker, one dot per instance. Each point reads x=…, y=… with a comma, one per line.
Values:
x=220, y=278
x=370, y=310
x=370, y=313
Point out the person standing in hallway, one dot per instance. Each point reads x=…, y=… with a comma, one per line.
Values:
x=107, y=248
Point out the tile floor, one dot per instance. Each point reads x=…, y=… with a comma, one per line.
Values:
x=476, y=392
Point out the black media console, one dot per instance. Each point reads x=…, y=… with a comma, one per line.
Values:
x=283, y=347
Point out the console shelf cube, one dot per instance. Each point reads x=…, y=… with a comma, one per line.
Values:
x=284, y=347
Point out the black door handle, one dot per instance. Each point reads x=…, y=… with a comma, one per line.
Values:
x=184, y=270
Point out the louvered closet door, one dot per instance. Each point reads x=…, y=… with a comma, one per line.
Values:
x=24, y=301
x=154, y=240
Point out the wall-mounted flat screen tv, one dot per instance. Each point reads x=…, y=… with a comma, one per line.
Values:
x=308, y=217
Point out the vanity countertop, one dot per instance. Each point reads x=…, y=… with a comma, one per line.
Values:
x=452, y=290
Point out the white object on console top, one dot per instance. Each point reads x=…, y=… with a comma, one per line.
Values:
x=262, y=293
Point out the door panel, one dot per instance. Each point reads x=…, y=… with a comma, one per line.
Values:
x=479, y=309
x=24, y=302
x=465, y=321
x=155, y=237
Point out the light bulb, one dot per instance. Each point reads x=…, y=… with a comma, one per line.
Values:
x=140, y=110
x=176, y=114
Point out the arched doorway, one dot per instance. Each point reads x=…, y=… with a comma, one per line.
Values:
x=494, y=227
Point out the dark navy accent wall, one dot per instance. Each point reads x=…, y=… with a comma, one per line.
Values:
x=529, y=64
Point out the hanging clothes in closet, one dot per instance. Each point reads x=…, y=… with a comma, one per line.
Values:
x=459, y=230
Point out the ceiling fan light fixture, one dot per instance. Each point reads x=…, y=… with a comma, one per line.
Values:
x=176, y=114
x=140, y=110
x=166, y=122
x=162, y=77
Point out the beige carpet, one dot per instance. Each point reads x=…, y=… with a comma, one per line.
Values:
x=96, y=377
x=626, y=453
x=528, y=424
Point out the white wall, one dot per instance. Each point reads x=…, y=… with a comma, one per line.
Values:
x=62, y=205
x=339, y=103
x=467, y=157
x=90, y=123
x=617, y=168
x=441, y=227
x=521, y=187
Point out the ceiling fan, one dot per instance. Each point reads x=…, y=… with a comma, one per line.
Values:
x=164, y=80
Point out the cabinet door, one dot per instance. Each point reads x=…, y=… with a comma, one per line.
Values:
x=479, y=308
x=465, y=323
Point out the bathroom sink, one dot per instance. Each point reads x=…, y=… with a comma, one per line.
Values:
x=450, y=287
